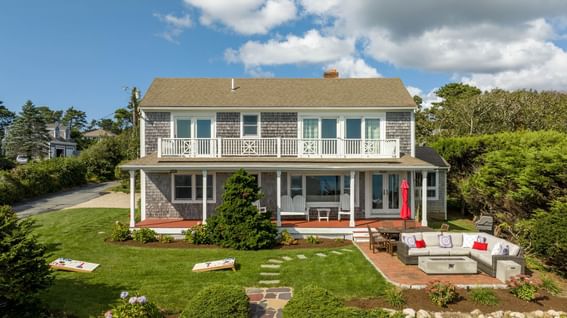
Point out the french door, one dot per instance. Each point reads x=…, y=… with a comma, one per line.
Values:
x=385, y=194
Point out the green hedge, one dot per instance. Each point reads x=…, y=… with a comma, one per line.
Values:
x=218, y=301
x=41, y=177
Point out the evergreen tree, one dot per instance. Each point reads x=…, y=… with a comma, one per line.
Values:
x=6, y=118
x=28, y=134
x=24, y=271
x=50, y=116
x=77, y=119
x=237, y=223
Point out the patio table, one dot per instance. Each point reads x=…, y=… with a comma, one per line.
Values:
x=392, y=236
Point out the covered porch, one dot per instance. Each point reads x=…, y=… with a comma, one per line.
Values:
x=356, y=193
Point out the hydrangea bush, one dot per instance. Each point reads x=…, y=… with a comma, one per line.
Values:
x=524, y=287
x=134, y=307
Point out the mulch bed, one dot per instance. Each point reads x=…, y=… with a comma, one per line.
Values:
x=418, y=299
x=324, y=243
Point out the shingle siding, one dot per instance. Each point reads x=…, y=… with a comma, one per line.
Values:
x=228, y=124
x=398, y=126
x=278, y=124
x=157, y=125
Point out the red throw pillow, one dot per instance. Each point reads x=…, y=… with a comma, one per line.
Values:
x=480, y=246
x=419, y=243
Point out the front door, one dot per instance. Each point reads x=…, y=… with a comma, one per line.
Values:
x=385, y=194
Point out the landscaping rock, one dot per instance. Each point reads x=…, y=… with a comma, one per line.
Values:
x=408, y=313
x=476, y=313
x=422, y=314
x=517, y=315
x=497, y=314
x=538, y=313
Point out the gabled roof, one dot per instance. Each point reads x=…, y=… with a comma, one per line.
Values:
x=99, y=133
x=278, y=92
x=431, y=156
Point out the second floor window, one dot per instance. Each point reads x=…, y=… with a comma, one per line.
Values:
x=250, y=126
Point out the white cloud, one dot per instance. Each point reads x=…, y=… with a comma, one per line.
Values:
x=312, y=48
x=428, y=98
x=175, y=26
x=353, y=67
x=245, y=16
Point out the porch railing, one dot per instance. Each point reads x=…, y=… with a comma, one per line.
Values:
x=279, y=147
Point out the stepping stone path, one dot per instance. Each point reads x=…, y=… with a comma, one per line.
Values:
x=270, y=274
x=269, y=282
x=337, y=252
x=287, y=258
x=301, y=256
x=268, y=302
x=277, y=261
x=346, y=250
x=270, y=266
x=321, y=255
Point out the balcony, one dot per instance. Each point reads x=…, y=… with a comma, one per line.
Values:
x=277, y=148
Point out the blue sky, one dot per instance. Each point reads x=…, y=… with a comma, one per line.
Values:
x=83, y=53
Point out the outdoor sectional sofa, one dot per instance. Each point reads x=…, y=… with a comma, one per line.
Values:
x=486, y=262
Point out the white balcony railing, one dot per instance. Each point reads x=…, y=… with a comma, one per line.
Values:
x=278, y=147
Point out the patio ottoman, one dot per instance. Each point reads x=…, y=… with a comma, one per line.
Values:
x=507, y=269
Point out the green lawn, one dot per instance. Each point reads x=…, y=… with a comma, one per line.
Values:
x=165, y=276
x=457, y=222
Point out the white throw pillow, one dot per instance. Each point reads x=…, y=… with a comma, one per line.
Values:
x=469, y=239
x=497, y=249
x=410, y=241
x=445, y=241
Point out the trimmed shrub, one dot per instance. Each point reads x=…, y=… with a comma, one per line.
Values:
x=102, y=158
x=144, y=235
x=11, y=189
x=165, y=239
x=198, y=234
x=135, y=306
x=24, y=270
x=483, y=296
x=395, y=297
x=313, y=239
x=314, y=302
x=441, y=293
x=218, y=301
x=237, y=223
x=120, y=232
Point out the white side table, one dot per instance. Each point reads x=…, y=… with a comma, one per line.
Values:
x=323, y=213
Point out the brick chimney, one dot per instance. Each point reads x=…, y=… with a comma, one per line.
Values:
x=331, y=73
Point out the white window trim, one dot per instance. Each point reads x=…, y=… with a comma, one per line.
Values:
x=259, y=131
x=323, y=203
x=193, y=187
x=436, y=187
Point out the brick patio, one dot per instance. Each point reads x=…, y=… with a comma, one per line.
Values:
x=409, y=276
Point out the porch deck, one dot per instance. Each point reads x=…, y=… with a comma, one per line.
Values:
x=293, y=226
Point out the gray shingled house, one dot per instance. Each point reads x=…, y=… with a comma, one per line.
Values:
x=329, y=154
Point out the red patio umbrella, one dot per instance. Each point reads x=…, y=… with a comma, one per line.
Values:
x=405, y=212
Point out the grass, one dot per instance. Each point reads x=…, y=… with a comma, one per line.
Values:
x=165, y=276
x=457, y=222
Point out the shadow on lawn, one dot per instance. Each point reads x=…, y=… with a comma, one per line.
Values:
x=81, y=298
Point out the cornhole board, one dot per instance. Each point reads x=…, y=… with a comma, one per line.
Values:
x=67, y=264
x=215, y=265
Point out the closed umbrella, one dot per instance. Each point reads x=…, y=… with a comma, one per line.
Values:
x=405, y=212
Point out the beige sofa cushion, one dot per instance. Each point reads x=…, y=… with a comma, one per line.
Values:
x=457, y=239
x=431, y=238
x=439, y=251
x=418, y=251
x=459, y=251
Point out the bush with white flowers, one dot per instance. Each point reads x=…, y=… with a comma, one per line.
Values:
x=134, y=307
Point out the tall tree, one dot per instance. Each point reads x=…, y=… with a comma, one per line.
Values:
x=28, y=134
x=6, y=118
x=50, y=116
x=77, y=119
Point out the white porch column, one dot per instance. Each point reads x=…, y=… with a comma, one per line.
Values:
x=352, y=195
x=204, y=196
x=278, y=197
x=132, y=198
x=424, y=198
x=412, y=194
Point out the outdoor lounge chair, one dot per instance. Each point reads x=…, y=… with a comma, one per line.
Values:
x=344, y=208
x=261, y=209
x=295, y=206
x=377, y=241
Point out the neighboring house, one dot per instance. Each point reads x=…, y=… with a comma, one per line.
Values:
x=98, y=134
x=341, y=144
x=60, y=142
